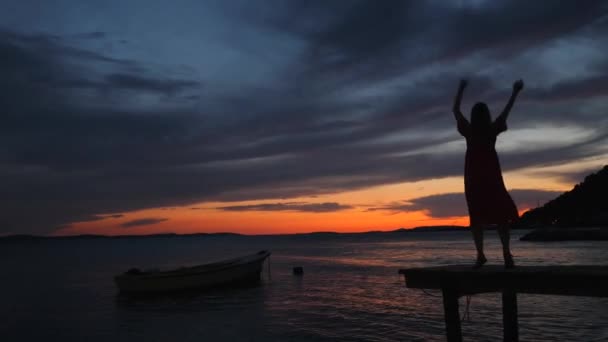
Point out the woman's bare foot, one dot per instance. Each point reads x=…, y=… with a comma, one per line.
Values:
x=480, y=262
x=509, y=263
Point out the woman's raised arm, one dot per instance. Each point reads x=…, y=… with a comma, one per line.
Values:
x=456, y=109
x=517, y=87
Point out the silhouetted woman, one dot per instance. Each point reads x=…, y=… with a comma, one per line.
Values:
x=487, y=198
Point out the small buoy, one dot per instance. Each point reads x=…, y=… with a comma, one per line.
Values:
x=298, y=270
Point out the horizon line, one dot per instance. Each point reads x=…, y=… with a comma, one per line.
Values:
x=34, y=236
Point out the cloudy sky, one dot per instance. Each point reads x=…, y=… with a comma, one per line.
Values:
x=132, y=117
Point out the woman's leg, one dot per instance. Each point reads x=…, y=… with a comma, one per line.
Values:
x=477, y=231
x=504, y=233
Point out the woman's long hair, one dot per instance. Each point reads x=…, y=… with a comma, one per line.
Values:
x=481, y=120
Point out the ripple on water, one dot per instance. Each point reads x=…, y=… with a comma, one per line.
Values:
x=350, y=290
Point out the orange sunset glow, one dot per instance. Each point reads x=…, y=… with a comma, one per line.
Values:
x=206, y=218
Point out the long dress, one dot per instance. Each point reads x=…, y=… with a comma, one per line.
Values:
x=487, y=198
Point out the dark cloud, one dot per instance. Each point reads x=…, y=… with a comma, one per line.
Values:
x=586, y=88
x=454, y=204
x=572, y=177
x=48, y=69
x=365, y=100
x=143, y=222
x=92, y=35
x=135, y=82
x=290, y=206
x=370, y=39
x=46, y=53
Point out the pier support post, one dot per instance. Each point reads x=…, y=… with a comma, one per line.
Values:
x=509, y=316
x=452, y=315
x=457, y=280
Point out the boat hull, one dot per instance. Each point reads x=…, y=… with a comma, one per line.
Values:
x=230, y=272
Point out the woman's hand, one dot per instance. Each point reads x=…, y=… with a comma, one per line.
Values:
x=463, y=84
x=518, y=86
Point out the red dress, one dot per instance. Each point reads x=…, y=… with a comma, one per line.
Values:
x=487, y=198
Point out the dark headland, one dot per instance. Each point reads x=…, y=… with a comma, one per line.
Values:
x=578, y=214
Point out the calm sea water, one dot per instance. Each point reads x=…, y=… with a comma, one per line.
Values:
x=63, y=291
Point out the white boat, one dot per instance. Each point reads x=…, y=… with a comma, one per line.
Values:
x=233, y=271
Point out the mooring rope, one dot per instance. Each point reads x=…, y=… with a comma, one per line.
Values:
x=429, y=294
x=466, y=316
x=467, y=313
x=269, y=275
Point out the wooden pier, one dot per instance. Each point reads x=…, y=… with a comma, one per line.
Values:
x=458, y=280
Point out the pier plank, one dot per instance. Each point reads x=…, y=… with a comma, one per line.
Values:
x=571, y=280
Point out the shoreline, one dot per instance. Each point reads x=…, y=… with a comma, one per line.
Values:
x=29, y=237
x=566, y=234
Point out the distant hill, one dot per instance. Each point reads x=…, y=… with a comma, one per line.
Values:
x=26, y=237
x=584, y=206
